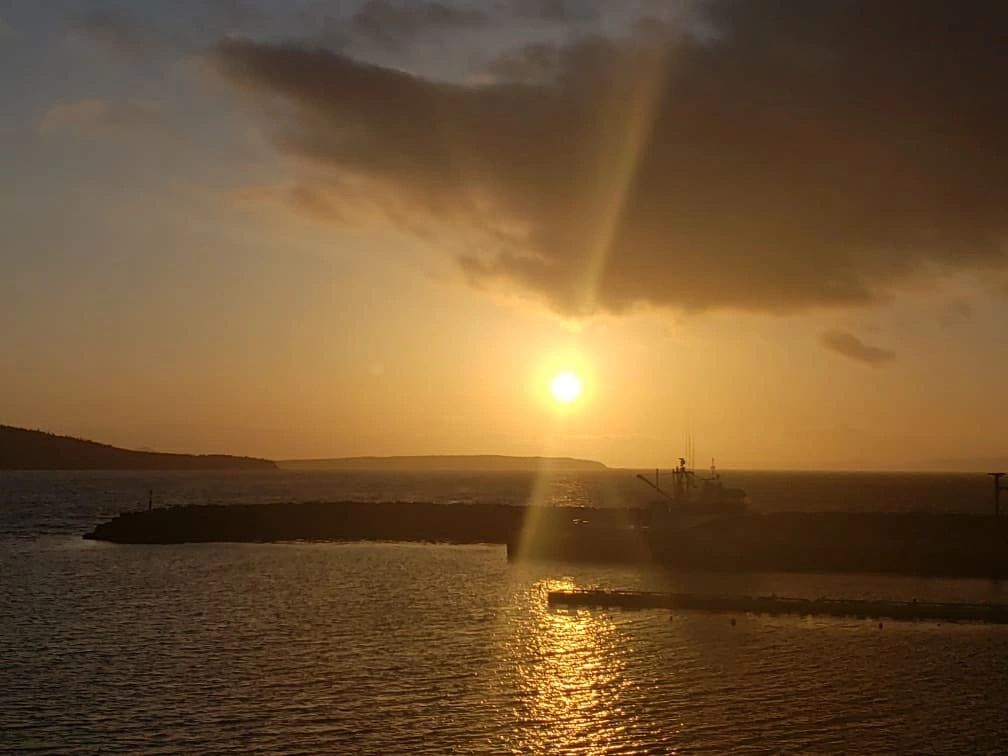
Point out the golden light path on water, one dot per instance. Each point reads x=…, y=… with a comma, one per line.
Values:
x=578, y=676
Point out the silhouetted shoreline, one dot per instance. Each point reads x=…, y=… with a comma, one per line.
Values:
x=23, y=449
x=952, y=545
x=26, y=449
x=446, y=463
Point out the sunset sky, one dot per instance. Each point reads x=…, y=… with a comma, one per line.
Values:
x=313, y=229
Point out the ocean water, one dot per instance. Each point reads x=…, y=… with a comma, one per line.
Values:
x=389, y=648
x=33, y=502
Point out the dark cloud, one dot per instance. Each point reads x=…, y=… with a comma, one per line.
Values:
x=394, y=24
x=849, y=345
x=804, y=155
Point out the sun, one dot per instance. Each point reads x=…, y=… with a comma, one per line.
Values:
x=565, y=387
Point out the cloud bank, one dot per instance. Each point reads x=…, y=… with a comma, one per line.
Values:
x=801, y=155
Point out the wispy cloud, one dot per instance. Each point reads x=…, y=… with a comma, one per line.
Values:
x=118, y=31
x=557, y=11
x=393, y=24
x=849, y=345
x=955, y=313
x=125, y=31
x=99, y=117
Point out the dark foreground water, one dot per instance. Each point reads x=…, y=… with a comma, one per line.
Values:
x=384, y=648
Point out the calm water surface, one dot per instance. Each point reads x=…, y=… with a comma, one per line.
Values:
x=383, y=648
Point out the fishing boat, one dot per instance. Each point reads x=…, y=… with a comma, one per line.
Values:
x=694, y=494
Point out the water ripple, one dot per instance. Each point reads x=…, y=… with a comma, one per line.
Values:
x=385, y=648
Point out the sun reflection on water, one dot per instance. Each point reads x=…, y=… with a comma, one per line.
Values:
x=569, y=667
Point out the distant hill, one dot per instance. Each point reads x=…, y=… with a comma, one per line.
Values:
x=448, y=462
x=969, y=464
x=22, y=449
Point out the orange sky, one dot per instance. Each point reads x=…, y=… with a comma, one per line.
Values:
x=242, y=236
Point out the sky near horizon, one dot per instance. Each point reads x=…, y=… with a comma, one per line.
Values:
x=316, y=229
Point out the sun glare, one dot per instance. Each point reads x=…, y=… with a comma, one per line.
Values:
x=565, y=387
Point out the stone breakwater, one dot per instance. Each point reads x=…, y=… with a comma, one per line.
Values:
x=955, y=545
x=774, y=605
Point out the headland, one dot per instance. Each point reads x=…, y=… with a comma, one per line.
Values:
x=24, y=449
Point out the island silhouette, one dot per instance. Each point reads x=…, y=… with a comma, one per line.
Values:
x=446, y=463
x=27, y=449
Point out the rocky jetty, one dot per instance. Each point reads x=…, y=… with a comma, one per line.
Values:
x=827, y=607
x=339, y=521
x=917, y=544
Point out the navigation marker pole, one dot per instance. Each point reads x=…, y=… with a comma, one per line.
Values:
x=998, y=488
